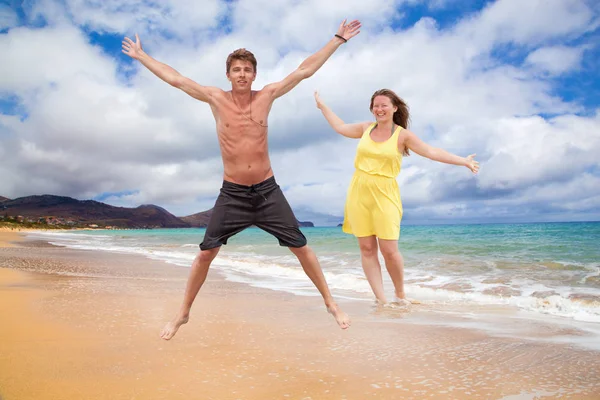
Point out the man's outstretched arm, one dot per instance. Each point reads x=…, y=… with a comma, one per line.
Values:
x=165, y=72
x=314, y=62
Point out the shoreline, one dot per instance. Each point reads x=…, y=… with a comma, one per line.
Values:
x=87, y=327
x=488, y=310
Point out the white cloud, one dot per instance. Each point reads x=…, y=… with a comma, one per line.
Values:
x=555, y=59
x=528, y=23
x=88, y=131
x=531, y=150
x=181, y=18
x=305, y=24
x=442, y=4
x=48, y=11
x=41, y=58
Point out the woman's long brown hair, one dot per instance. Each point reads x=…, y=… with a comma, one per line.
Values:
x=401, y=116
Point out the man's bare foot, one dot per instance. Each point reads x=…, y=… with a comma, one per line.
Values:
x=171, y=328
x=340, y=317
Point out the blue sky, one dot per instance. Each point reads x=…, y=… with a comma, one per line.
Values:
x=500, y=78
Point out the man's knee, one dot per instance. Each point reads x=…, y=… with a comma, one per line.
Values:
x=206, y=256
x=302, y=251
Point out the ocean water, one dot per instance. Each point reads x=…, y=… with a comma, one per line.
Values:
x=547, y=272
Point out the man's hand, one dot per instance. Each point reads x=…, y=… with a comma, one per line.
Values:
x=131, y=48
x=350, y=30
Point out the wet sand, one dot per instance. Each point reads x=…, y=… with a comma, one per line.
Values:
x=84, y=325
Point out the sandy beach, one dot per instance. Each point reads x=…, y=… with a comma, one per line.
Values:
x=78, y=324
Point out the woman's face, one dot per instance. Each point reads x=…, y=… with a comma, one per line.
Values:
x=383, y=109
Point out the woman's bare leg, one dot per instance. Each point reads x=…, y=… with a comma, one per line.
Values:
x=394, y=264
x=371, y=267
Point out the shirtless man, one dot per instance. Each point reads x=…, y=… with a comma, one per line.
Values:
x=249, y=195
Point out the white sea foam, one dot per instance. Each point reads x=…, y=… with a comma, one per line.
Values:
x=556, y=305
x=427, y=280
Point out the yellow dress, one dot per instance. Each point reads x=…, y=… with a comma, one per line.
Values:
x=373, y=205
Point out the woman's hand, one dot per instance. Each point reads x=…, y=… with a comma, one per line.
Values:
x=472, y=164
x=131, y=48
x=320, y=104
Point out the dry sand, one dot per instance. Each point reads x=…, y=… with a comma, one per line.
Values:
x=8, y=237
x=84, y=325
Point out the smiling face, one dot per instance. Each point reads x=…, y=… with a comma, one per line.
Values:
x=241, y=74
x=382, y=108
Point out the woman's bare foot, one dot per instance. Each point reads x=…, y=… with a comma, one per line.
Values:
x=171, y=328
x=399, y=295
x=341, y=317
x=380, y=303
x=401, y=298
x=399, y=303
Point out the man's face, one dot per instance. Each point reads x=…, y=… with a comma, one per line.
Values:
x=241, y=74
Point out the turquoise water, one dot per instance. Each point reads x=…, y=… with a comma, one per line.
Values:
x=550, y=269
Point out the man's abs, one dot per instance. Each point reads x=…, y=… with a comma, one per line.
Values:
x=246, y=162
x=247, y=173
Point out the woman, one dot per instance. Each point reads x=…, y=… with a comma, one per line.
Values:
x=373, y=208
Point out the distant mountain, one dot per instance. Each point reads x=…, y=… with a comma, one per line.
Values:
x=318, y=218
x=200, y=220
x=70, y=212
x=60, y=210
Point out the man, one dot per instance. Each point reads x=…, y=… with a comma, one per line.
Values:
x=249, y=195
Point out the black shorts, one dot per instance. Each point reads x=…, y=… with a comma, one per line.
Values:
x=263, y=205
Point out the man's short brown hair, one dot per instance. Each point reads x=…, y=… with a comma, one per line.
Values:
x=241, y=54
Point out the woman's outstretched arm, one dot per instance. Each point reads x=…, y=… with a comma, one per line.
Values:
x=349, y=130
x=415, y=144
